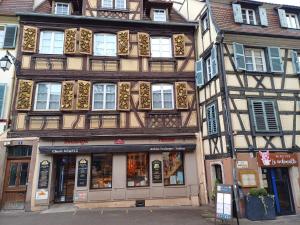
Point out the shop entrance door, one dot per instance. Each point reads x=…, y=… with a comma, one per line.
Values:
x=65, y=178
x=279, y=185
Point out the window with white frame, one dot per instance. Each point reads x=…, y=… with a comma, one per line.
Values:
x=62, y=8
x=208, y=68
x=52, y=42
x=47, y=96
x=107, y=3
x=104, y=96
x=159, y=15
x=161, y=47
x=255, y=59
x=105, y=44
x=162, y=96
x=2, y=35
x=2, y=99
x=249, y=16
x=120, y=4
x=292, y=20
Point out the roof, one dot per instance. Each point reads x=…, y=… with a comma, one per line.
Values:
x=222, y=14
x=10, y=7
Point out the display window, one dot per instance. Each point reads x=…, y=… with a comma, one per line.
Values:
x=173, y=168
x=101, y=175
x=137, y=169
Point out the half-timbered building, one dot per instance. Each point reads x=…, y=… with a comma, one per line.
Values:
x=247, y=73
x=105, y=105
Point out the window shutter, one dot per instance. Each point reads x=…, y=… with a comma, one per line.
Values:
x=83, y=95
x=275, y=59
x=271, y=116
x=214, y=61
x=24, y=98
x=179, y=45
x=10, y=36
x=70, y=41
x=29, y=39
x=263, y=16
x=85, y=41
x=258, y=116
x=123, y=42
x=144, y=95
x=124, y=96
x=296, y=63
x=144, y=44
x=2, y=99
x=181, y=95
x=67, y=95
x=212, y=125
x=199, y=73
x=237, y=13
x=282, y=18
x=239, y=56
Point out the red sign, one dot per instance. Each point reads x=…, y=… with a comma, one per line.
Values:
x=119, y=142
x=274, y=159
x=167, y=139
x=82, y=142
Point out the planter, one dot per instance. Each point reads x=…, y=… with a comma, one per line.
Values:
x=260, y=208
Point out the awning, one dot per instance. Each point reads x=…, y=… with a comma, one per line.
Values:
x=116, y=148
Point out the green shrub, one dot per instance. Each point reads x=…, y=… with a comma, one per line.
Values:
x=258, y=192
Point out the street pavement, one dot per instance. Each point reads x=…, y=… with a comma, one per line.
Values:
x=126, y=216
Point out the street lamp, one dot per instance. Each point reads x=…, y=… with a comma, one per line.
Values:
x=7, y=60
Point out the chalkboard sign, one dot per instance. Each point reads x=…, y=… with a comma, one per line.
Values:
x=156, y=172
x=224, y=202
x=82, y=173
x=44, y=174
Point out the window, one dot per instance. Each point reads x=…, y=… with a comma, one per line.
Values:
x=62, y=8
x=137, y=169
x=2, y=34
x=105, y=45
x=264, y=115
x=107, y=3
x=19, y=151
x=2, y=99
x=292, y=21
x=296, y=61
x=120, y=4
x=255, y=59
x=52, y=42
x=211, y=117
x=47, y=96
x=104, y=96
x=217, y=174
x=204, y=23
x=208, y=68
x=159, y=15
x=173, y=168
x=8, y=36
x=162, y=96
x=249, y=16
x=161, y=47
x=101, y=175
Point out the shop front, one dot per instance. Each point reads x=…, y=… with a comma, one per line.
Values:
x=123, y=174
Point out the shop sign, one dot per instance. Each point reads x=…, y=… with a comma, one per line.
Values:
x=224, y=202
x=82, y=173
x=274, y=159
x=44, y=174
x=242, y=164
x=156, y=172
x=167, y=140
x=81, y=142
x=119, y=142
x=41, y=194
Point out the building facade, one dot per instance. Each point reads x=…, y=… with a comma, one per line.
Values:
x=105, y=107
x=247, y=72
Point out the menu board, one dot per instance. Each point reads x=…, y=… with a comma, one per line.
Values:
x=44, y=174
x=156, y=172
x=224, y=202
x=82, y=173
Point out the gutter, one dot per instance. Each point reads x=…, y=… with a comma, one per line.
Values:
x=260, y=34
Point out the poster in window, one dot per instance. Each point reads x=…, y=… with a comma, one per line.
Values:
x=44, y=174
x=156, y=172
x=82, y=173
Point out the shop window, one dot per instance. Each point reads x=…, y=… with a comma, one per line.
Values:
x=173, y=168
x=137, y=169
x=51, y=42
x=161, y=47
x=101, y=175
x=47, y=96
x=105, y=45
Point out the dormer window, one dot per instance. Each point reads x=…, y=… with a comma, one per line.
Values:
x=249, y=16
x=288, y=18
x=292, y=20
x=62, y=8
x=159, y=15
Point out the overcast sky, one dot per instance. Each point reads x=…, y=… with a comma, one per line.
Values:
x=286, y=2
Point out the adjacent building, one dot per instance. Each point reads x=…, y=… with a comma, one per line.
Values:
x=105, y=107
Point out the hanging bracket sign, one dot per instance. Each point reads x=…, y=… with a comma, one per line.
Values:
x=224, y=202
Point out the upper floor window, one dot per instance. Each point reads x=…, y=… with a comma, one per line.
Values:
x=8, y=36
x=47, y=96
x=204, y=23
x=161, y=47
x=105, y=45
x=159, y=15
x=2, y=99
x=2, y=35
x=117, y=4
x=212, y=119
x=208, y=67
x=296, y=61
x=249, y=16
x=52, y=42
x=104, y=96
x=62, y=8
x=162, y=96
x=292, y=20
x=255, y=59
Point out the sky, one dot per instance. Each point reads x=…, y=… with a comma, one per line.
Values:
x=285, y=2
